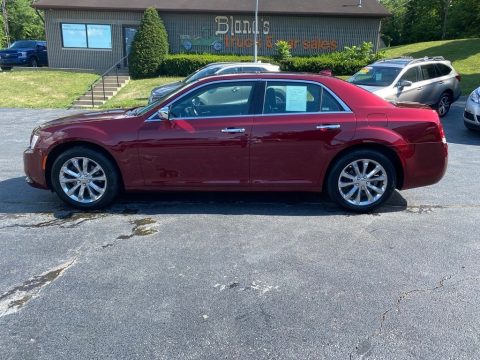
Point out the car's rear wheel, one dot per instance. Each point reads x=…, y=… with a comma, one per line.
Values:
x=361, y=180
x=444, y=103
x=6, y=68
x=85, y=178
x=33, y=62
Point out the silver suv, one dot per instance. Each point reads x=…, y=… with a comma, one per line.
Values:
x=430, y=81
x=213, y=69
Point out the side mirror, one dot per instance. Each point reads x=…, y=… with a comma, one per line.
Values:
x=404, y=83
x=164, y=113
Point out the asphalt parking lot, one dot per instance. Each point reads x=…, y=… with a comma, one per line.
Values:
x=240, y=276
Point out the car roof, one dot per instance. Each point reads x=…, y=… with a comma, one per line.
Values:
x=402, y=62
x=226, y=64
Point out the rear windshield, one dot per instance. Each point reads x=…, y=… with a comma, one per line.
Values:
x=24, y=44
x=375, y=76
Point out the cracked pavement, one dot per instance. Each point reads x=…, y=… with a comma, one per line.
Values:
x=239, y=276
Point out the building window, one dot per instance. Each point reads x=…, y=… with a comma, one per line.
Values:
x=88, y=36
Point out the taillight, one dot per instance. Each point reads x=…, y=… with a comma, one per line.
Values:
x=458, y=77
x=442, y=134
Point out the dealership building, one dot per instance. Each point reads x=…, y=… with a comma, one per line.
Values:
x=96, y=34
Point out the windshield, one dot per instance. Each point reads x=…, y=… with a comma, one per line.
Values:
x=23, y=44
x=201, y=73
x=375, y=76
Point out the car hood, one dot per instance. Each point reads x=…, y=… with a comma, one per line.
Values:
x=14, y=51
x=372, y=89
x=161, y=90
x=109, y=115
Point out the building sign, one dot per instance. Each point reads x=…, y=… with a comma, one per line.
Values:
x=235, y=34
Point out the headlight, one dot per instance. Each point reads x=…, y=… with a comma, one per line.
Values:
x=475, y=96
x=33, y=141
x=23, y=54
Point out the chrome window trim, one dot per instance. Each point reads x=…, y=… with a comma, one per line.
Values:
x=335, y=96
x=347, y=110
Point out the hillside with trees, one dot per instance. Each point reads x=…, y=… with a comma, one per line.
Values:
x=428, y=20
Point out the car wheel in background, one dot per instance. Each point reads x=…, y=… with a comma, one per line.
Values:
x=85, y=178
x=361, y=180
x=33, y=62
x=443, y=105
x=6, y=68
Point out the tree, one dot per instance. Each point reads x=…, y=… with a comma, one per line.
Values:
x=23, y=21
x=3, y=40
x=149, y=47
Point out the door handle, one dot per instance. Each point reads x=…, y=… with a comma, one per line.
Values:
x=233, y=130
x=328, y=127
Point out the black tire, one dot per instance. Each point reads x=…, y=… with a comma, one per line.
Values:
x=33, y=62
x=364, y=185
x=443, y=104
x=108, y=170
x=6, y=68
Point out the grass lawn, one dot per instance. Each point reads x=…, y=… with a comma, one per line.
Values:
x=42, y=89
x=136, y=92
x=464, y=55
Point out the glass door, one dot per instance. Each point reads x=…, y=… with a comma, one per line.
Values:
x=128, y=36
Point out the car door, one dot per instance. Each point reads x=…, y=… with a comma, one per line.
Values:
x=42, y=53
x=301, y=123
x=430, y=84
x=411, y=93
x=205, y=142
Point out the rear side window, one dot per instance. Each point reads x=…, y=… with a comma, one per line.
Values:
x=411, y=75
x=429, y=71
x=443, y=69
x=284, y=97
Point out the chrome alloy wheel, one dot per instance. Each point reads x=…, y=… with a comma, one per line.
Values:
x=444, y=105
x=83, y=180
x=362, y=182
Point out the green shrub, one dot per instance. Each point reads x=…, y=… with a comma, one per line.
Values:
x=149, y=47
x=185, y=64
x=345, y=62
x=283, y=51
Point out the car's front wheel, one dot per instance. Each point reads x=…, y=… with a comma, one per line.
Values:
x=6, y=68
x=361, y=180
x=85, y=178
x=443, y=105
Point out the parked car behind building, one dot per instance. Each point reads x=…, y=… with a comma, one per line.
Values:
x=212, y=69
x=430, y=81
x=24, y=53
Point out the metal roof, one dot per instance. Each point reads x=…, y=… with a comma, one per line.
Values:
x=368, y=8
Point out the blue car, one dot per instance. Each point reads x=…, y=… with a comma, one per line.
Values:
x=24, y=53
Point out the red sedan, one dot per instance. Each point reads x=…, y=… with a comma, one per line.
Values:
x=249, y=132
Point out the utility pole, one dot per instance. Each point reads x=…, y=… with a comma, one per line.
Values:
x=255, y=37
x=5, y=21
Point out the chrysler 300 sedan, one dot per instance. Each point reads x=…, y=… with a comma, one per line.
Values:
x=248, y=132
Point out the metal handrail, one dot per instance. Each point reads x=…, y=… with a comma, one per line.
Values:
x=116, y=66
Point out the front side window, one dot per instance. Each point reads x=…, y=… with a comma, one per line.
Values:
x=222, y=99
x=411, y=75
x=88, y=36
x=284, y=97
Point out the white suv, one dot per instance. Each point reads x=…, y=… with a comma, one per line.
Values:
x=430, y=81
